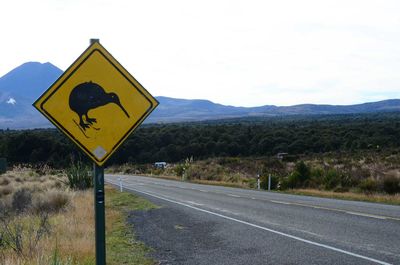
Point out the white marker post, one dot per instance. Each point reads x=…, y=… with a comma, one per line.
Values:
x=269, y=182
x=120, y=184
x=258, y=181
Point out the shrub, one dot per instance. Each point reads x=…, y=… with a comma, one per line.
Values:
x=51, y=202
x=4, y=181
x=251, y=183
x=368, y=185
x=6, y=190
x=331, y=179
x=316, y=179
x=179, y=170
x=299, y=177
x=21, y=200
x=18, y=179
x=79, y=176
x=391, y=184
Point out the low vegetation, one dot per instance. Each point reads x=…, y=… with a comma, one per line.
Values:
x=44, y=221
x=357, y=153
x=368, y=176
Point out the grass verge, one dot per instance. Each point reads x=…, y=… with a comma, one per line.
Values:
x=376, y=198
x=122, y=248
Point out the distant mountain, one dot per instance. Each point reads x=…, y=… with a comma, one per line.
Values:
x=178, y=110
x=19, y=89
x=22, y=86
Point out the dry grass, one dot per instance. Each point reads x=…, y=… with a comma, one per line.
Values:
x=377, y=197
x=6, y=190
x=70, y=217
x=242, y=184
x=69, y=235
x=73, y=232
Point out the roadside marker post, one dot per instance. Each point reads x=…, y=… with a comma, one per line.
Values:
x=258, y=181
x=269, y=182
x=120, y=184
x=97, y=85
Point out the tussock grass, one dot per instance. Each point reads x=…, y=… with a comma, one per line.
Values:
x=64, y=219
x=6, y=190
x=52, y=201
x=4, y=181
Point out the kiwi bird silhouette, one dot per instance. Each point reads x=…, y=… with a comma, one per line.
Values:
x=87, y=96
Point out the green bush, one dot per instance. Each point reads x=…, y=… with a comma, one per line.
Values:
x=299, y=177
x=368, y=185
x=331, y=179
x=391, y=184
x=251, y=182
x=79, y=176
x=316, y=179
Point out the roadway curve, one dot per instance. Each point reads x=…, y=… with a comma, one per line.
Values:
x=201, y=224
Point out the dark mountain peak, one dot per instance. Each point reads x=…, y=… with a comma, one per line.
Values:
x=31, y=69
x=28, y=80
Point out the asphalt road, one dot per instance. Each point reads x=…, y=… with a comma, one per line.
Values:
x=201, y=224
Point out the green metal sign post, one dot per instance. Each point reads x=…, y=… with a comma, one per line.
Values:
x=99, y=201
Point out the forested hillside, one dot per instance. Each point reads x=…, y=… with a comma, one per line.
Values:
x=241, y=137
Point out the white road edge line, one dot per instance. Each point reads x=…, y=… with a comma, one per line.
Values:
x=366, y=215
x=280, y=202
x=263, y=228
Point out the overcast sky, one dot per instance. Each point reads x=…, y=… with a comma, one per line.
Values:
x=242, y=53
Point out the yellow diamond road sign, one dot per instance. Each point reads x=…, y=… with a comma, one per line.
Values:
x=96, y=103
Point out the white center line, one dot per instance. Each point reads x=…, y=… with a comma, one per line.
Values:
x=195, y=203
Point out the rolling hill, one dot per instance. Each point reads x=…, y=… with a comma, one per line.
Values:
x=23, y=85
